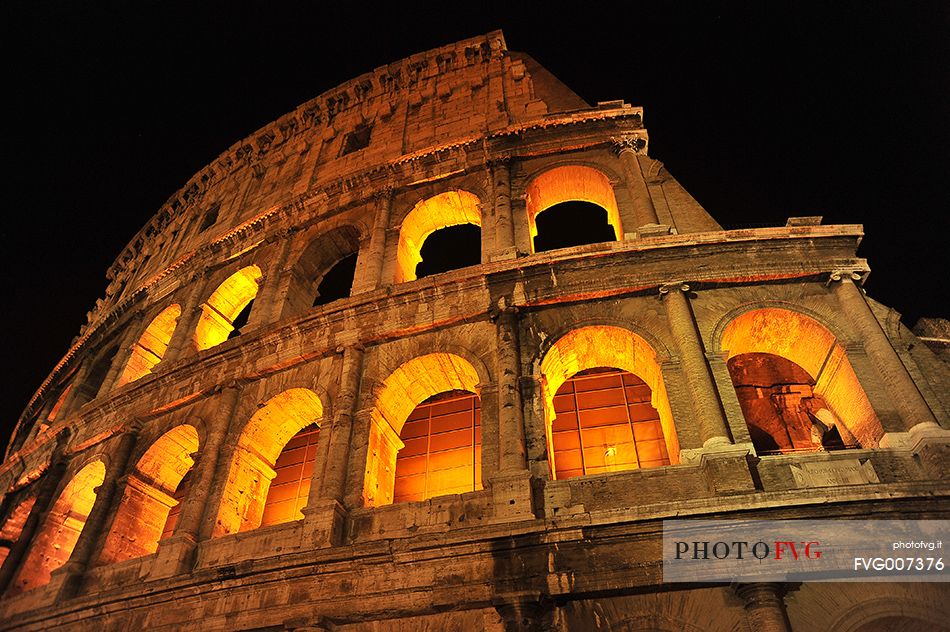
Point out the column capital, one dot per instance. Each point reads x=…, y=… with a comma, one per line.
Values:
x=666, y=288
x=858, y=275
x=632, y=143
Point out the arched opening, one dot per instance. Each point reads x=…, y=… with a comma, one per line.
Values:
x=337, y=283
x=324, y=271
x=604, y=422
x=54, y=541
x=453, y=208
x=150, y=495
x=901, y=623
x=221, y=314
x=450, y=249
x=442, y=448
x=269, y=479
x=571, y=224
x=430, y=406
x=795, y=384
x=606, y=407
x=572, y=183
x=780, y=405
x=150, y=348
x=13, y=527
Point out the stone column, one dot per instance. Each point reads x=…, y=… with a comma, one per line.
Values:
x=98, y=522
x=370, y=268
x=130, y=336
x=764, y=607
x=324, y=513
x=267, y=303
x=511, y=484
x=45, y=498
x=176, y=553
x=628, y=148
x=503, y=229
x=511, y=440
x=706, y=405
x=182, y=340
x=204, y=498
x=897, y=381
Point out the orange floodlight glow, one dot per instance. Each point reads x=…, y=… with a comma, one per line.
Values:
x=812, y=347
x=408, y=386
x=54, y=541
x=224, y=305
x=252, y=467
x=150, y=348
x=573, y=183
x=440, y=211
x=149, y=496
x=602, y=346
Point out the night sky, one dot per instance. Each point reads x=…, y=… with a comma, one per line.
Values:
x=762, y=111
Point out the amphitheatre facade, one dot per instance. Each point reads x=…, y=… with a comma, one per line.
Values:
x=285, y=414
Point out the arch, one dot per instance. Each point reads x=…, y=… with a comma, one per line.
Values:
x=225, y=304
x=13, y=526
x=451, y=208
x=811, y=346
x=605, y=346
x=252, y=469
x=150, y=495
x=571, y=183
x=320, y=256
x=150, y=348
x=400, y=393
x=55, y=540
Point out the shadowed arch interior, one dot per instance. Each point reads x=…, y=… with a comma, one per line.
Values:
x=812, y=347
x=411, y=384
x=603, y=346
x=55, y=539
x=150, y=495
x=252, y=470
x=451, y=208
x=572, y=183
x=324, y=271
x=221, y=310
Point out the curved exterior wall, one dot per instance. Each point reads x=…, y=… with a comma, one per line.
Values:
x=144, y=393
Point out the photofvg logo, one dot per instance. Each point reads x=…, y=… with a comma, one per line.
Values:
x=804, y=550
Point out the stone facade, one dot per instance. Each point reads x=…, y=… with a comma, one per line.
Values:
x=157, y=387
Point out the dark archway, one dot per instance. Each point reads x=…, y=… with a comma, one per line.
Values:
x=571, y=224
x=450, y=248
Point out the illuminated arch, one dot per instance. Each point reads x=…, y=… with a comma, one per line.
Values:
x=604, y=346
x=149, y=495
x=246, y=493
x=812, y=347
x=408, y=386
x=573, y=183
x=150, y=348
x=451, y=208
x=55, y=540
x=13, y=526
x=224, y=305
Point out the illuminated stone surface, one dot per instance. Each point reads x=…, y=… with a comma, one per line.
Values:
x=215, y=452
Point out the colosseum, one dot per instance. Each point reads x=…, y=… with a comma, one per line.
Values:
x=356, y=375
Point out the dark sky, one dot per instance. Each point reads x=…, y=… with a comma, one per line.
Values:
x=762, y=110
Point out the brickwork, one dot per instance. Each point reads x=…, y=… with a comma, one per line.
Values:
x=470, y=133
